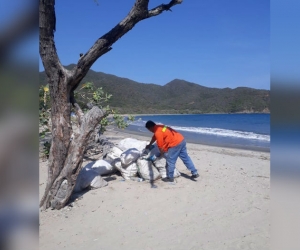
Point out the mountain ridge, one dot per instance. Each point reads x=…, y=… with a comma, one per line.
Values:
x=175, y=97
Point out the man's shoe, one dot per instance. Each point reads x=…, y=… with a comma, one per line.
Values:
x=167, y=179
x=170, y=180
x=195, y=175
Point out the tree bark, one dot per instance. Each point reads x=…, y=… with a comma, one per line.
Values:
x=73, y=161
x=65, y=158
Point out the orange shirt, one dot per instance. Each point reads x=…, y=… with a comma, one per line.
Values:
x=166, y=137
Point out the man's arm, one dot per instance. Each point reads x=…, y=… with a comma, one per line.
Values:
x=151, y=142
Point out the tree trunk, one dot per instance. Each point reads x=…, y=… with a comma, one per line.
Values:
x=66, y=155
x=61, y=130
x=73, y=161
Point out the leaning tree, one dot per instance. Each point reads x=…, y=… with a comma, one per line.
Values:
x=66, y=155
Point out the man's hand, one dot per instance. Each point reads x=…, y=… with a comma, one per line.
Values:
x=152, y=158
x=150, y=146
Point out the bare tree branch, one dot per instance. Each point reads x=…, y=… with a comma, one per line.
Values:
x=141, y=5
x=138, y=13
x=163, y=7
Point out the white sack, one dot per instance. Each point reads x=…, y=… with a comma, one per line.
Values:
x=98, y=182
x=129, y=156
x=102, y=167
x=147, y=171
x=176, y=173
x=128, y=171
x=85, y=177
x=160, y=164
x=113, y=154
x=128, y=143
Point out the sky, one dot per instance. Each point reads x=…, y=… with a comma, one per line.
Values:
x=214, y=43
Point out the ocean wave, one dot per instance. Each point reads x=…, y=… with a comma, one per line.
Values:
x=139, y=122
x=217, y=132
x=225, y=133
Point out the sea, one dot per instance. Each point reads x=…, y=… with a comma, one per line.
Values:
x=246, y=131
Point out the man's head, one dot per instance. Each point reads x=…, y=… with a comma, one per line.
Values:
x=150, y=126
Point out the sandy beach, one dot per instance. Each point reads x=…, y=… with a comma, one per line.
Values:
x=228, y=207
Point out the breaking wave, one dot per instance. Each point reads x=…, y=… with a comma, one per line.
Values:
x=225, y=133
x=216, y=132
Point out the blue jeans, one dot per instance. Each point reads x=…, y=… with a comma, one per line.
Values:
x=172, y=156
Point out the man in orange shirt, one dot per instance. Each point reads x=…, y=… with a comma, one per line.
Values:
x=172, y=145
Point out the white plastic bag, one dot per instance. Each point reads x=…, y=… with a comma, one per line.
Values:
x=128, y=143
x=176, y=173
x=147, y=171
x=129, y=156
x=98, y=182
x=114, y=153
x=160, y=164
x=102, y=167
x=128, y=171
x=87, y=176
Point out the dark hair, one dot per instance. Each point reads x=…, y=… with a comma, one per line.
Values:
x=150, y=124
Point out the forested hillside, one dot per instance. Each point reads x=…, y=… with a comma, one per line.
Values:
x=177, y=96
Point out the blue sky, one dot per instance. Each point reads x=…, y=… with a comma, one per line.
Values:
x=213, y=43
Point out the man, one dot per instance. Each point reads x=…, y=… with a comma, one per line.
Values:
x=172, y=145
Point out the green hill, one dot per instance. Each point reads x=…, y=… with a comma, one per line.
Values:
x=177, y=96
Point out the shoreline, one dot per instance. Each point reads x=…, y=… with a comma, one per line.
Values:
x=257, y=144
x=241, y=147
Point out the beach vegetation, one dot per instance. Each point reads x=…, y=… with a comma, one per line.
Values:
x=88, y=96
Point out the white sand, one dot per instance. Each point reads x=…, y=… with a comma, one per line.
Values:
x=228, y=207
